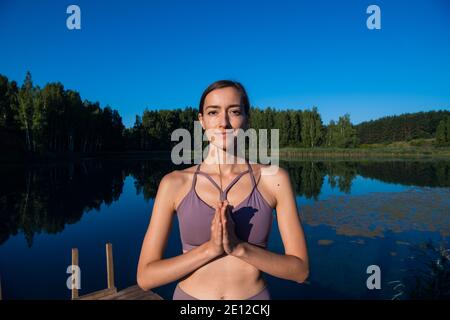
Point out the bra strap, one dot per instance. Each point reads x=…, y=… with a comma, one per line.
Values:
x=251, y=173
x=194, y=180
x=223, y=194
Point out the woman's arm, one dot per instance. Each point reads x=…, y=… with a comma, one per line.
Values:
x=294, y=264
x=153, y=271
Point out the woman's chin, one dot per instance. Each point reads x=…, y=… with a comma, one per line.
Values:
x=224, y=146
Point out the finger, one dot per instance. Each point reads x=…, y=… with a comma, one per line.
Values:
x=218, y=223
x=219, y=233
x=225, y=232
x=223, y=218
x=224, y=225
x=224, y=208
x=219, y=209
x=215, y=219
x=225, y=204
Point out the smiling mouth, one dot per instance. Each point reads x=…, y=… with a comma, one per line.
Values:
x=224, y=133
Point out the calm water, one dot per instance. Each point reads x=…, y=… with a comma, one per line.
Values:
x=355, y=214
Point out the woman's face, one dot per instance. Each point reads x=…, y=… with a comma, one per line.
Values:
x=222, y=116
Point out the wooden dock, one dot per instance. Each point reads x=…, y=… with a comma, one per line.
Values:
x=111, y=292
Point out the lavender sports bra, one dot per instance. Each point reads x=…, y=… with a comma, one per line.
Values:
x=253, y=216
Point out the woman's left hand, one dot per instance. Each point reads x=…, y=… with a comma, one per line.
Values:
x=231, y=243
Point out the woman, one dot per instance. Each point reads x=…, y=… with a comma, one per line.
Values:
x=225, y=216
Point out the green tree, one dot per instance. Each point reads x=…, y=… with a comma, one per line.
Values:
x=38, y=122
x=443, y=132
x=403, y=127
x=296, y=128
x=341, y=134
x=4, y=101
x=26, y=109
x=312, y=128
x=283, y=123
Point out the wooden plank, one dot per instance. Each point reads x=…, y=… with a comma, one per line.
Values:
x=126, y=294
x=110, y=265
x=136, y=293
x=0, y=288
x=153, y=296
x=74, y=263
x=110, y=293
x=97, y=295
x=133, y=293
x=130, y=295
x=129, y=290
x=149, y=296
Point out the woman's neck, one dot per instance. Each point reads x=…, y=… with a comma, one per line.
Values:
x=227, y=160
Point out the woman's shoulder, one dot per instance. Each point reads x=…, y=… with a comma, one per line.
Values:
x=271, y=181
x=269, y=172
x=177, y=178
x=273, y=178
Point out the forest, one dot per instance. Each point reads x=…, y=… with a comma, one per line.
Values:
x=56, y=120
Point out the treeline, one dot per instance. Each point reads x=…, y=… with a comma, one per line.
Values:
x=443, y=132
x=304, y=128
x=297, y=128
x=152, y=130
x=405, y=127
x=56, y=120
x=53, y=119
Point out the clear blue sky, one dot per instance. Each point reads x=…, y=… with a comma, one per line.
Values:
x=134, y=55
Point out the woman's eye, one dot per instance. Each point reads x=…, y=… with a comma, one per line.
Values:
x=212, y=113
x=236, y=112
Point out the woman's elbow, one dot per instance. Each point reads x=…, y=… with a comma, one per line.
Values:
x=303, y=276
x=141, y=284
x=303, y=272
x=143, y=281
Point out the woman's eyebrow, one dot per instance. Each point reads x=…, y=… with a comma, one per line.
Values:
x=212, y=106
x=218, y=107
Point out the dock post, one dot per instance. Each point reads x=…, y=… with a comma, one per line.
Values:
x=0, y=288
x=74, y=263
x=110, y=266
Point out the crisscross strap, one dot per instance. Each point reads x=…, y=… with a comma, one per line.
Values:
x=223, y=193
x=251, y=174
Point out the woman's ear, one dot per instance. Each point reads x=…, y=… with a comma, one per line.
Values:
x=200, y=118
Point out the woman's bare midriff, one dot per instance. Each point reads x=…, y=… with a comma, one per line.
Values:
x=226, y=278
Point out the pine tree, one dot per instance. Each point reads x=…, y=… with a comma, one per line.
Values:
x=26, y=109
x=443, y=132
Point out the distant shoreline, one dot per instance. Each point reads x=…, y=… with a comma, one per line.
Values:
x=361, y=153
x=290, y=153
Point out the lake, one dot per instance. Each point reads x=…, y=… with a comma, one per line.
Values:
x=394, y=214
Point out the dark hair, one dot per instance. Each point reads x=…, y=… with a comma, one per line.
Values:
x=225, y=84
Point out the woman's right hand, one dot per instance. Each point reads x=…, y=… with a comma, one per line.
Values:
x=215, y=243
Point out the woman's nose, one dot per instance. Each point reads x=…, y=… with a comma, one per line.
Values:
x=224, y=122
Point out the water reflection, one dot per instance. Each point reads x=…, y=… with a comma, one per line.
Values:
x=45, y=198
x=373, y=214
